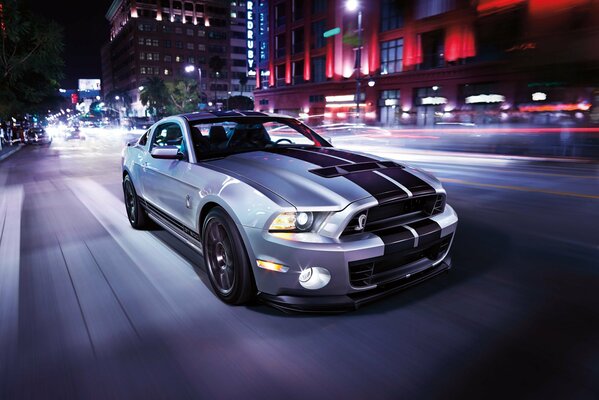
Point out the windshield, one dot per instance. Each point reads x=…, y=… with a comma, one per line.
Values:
x=219, y=138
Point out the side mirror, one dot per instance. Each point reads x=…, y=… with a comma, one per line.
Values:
x=166, y=153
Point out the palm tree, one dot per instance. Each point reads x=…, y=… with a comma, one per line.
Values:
x=216, y=64
x=243, y=80
x=154, y=95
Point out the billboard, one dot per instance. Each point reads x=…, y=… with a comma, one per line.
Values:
x=89, y=84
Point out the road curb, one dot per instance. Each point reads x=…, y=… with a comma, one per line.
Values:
x=10, y=152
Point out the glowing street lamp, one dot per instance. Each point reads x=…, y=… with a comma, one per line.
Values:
x=189, y=69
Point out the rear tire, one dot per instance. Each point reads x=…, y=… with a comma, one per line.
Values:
x=226, y=259
x=138, y=218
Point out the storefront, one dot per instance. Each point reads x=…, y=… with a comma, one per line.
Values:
x=389, y=109
x=429, y=105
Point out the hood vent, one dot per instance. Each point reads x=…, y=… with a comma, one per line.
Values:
x=345, y=169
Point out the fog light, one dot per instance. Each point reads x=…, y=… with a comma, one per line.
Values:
x=314, y=278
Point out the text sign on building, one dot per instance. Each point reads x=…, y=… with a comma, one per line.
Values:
x=89, y=84
x=332, y=32
x=251, y=43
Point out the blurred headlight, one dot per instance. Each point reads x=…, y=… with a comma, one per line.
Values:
x=302, y=221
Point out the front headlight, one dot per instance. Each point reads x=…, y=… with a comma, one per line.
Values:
x=301, y=221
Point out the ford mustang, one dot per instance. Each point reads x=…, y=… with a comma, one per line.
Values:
x=278, y=213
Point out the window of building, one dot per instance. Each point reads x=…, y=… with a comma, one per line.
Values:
x=165, y=3
x=201, y=47
x=429, y=8
x=318, y=29
x=297, y=7
x=238, y=35
x=239, y=63
x=189, y=31
x=217, y=22
x=178, y=59
x=167, y=44
x=142, y=56
x=392, y=14
x=297, y=72
x=216, y=49
x=148, y=42
x=280, y=11
x=155, y=42
x=190, y=46
x=177, y=5
x=319, y=6
x=389, y=107
x=392, y=56
x=167, y=71
x=433, y=48
x=188, y=6
x=142, y=70
x=178, y=30
x=238, y=50
x=141, y=41
x=217, y=35
x=280, y=74
x=166, y=16
x=190, y=60
x=201, y=33
x=280, y=45
x=167, y=58
x=318, y=69
x=316, y=98
x=179, y=44
x=297, y=40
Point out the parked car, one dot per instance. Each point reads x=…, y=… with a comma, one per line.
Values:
x=279, y=213
x=37, y=135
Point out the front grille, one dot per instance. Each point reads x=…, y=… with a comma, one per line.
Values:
x=391, y=267
x=398, y=213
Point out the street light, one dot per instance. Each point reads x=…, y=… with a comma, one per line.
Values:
x=117, y=98
x=353, y=5
x=189, y=69
x=371, y=82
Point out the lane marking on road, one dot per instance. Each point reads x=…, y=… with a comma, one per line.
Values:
x=519, y=188
x=11, y=206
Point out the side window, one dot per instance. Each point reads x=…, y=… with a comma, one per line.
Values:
x=169, y=134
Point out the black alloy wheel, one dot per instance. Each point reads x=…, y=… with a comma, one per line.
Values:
x=135, y=212
x=226, y=260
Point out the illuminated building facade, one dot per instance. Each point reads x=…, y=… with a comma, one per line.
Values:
x=159, y=38
x=430, y=61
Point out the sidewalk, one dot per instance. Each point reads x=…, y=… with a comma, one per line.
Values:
x=7, y=151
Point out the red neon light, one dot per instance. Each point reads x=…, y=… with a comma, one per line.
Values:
x=556, y=107
x=552, y=6
x=459, y=42
x=413, y=51
x=271, y=77
x=329, y=59
x=489, y=6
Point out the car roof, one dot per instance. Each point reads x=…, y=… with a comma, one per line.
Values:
x=206, y=115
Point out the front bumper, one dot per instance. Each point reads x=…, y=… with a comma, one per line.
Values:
x=363, y=267
x=351, y=302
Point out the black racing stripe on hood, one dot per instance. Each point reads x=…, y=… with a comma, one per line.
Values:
x=414, y=184
x=428, y=231
x=379, y=187
x=344, y=154
x=313, y=157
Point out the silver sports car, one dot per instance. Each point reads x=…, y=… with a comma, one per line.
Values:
x=279, y=213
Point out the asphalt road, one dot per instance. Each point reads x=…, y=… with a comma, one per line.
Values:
x=90, y=308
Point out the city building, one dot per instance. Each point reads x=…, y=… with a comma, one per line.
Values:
x=163, y=38
x=424, y=62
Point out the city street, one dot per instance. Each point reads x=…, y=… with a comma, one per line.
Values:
x=91, y=308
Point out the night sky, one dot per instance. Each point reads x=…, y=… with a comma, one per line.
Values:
x=85, y=31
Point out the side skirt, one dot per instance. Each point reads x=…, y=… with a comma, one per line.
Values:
x=182, y=232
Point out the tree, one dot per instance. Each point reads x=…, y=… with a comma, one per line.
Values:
x=183, y=96
x=216, y=64
x=30, y=59
x=243, y=80
x=240, y=103
x=155, y=96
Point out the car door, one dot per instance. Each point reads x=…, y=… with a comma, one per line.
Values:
x=162, y=179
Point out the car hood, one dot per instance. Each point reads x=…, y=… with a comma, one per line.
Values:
x=325, y=177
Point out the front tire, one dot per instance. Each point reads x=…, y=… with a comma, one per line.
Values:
x=135, y=213
x=226, y=259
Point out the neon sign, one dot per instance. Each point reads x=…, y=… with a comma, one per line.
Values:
x=251, y=47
